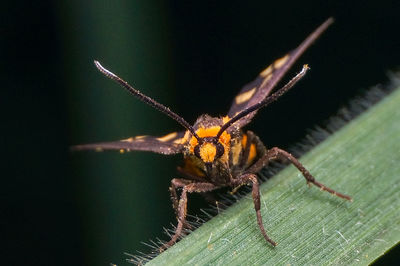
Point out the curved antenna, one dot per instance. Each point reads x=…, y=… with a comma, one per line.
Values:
x=153, y=103
x=265, y=102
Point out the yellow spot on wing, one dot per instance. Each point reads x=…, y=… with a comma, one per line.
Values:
x=281, y=61
x=266, y=71
x=179, y=141
x=266, y=79
x=245, y=96
x=138, y=138
x=168, y=137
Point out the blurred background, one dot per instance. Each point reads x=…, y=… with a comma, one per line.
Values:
x=62, y=208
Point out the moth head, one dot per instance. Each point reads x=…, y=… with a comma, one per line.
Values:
x=209, y=149
x=205, y=145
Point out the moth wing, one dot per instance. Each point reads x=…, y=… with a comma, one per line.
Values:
x=169, y=144
x=266, y=81
x=258, y=89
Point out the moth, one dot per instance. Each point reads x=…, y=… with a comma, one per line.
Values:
x=217, y=151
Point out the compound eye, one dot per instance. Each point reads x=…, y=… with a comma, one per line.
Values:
x=220, y=150
x=197, y=151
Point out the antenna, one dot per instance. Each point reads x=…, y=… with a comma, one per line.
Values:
x=153, y=103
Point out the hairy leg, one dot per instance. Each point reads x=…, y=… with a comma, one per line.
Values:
x=175, y=184
x=252, y=178
x=182, y=204
x=276, y=153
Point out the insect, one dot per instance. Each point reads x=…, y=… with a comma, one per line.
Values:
x=217, y=152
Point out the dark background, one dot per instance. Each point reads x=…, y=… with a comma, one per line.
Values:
x=60, y=208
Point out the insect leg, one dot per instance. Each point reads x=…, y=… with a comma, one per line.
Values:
x=175, y=184
x=182, y=206
x=252, y=178
x=275, y=153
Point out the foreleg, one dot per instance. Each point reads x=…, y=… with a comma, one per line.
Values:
x=182, y=204
x=252, y=178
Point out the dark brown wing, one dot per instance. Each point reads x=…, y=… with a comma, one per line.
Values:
x=169, y=144
x=263, y=85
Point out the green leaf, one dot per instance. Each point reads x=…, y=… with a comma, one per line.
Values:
x=312, y=227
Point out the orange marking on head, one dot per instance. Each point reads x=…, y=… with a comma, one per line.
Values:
x=208, y=132
x=225, y=138
x=208, y=152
